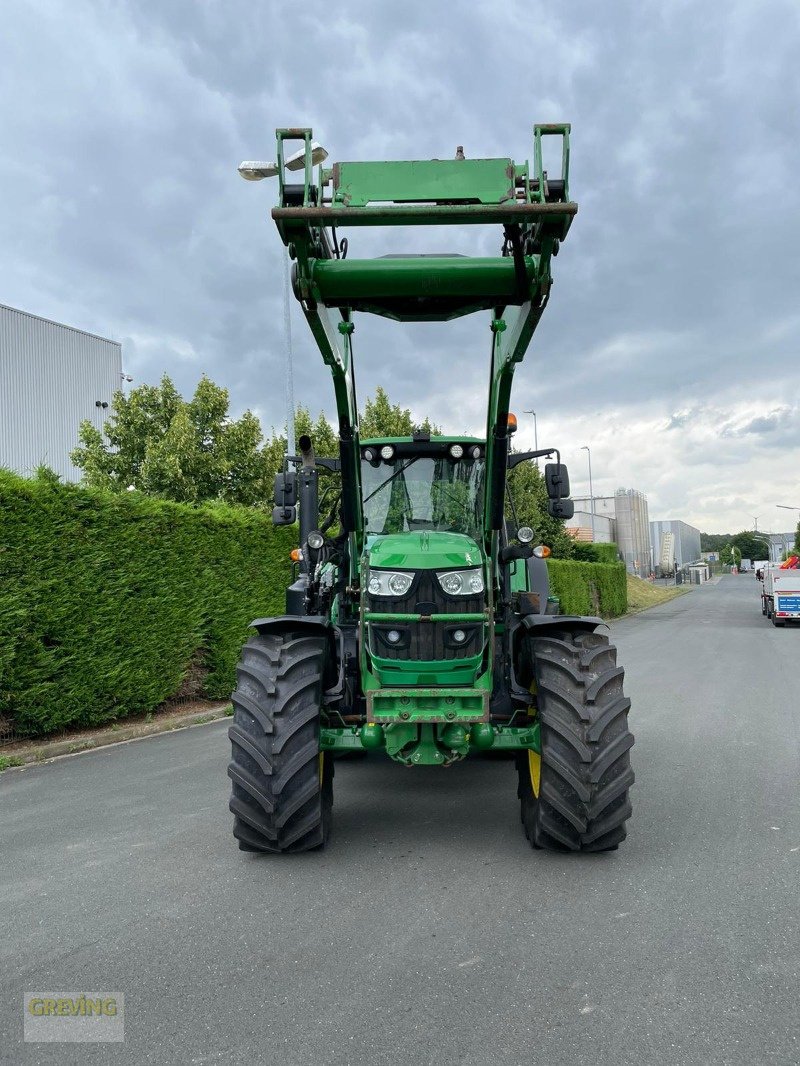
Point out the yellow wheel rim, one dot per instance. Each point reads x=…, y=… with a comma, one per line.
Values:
x=534, y=758
x=535, y=770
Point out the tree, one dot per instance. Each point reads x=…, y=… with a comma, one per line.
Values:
x=714, y=542
x=730, y=555
x=751, y=545
x=189, y=452
x=194, y=452
x=381, y=418
x=529, y=493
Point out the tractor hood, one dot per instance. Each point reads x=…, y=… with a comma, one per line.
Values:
x=424, y=550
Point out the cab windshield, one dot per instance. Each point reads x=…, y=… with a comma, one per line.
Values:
x=410, y=493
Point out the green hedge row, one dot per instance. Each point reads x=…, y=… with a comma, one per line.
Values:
x=595, y=553
x=109, y=603
x=589, y=588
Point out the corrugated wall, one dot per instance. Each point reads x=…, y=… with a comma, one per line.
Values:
x=633, y=531
x=687, y=539
x=50, y=379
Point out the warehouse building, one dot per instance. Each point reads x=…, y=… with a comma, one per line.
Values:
x=51, y=378
x=675, y=543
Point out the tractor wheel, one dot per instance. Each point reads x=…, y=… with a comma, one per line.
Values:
x=574, y=796
x=282, y=784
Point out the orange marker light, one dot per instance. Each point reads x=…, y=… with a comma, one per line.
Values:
x=512, y=423
x=295, y=555
x=542, y=551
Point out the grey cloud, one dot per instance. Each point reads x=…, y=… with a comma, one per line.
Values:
x=123, y=212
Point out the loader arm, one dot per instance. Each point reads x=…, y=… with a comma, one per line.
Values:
x=533, y=213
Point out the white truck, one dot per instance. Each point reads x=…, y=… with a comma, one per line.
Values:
x=780, y=595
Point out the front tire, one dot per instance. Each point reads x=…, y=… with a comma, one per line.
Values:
x=575, y=796
x=282, y=792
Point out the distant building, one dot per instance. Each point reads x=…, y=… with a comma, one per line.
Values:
x=580, y=528
x=51, y=378
x=621, y=519
x=683, y=539
x=780, y=544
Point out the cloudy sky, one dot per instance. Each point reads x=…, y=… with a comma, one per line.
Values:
x=671, y=344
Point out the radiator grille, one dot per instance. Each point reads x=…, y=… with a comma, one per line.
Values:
x=428, y=640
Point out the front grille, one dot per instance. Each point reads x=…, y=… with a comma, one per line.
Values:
x=427, y=640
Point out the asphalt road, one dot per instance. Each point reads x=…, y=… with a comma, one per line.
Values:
x=429, y=932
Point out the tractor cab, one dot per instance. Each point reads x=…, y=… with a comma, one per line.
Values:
x=424, y=573
x=432, y=485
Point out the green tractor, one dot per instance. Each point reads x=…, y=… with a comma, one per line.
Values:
x=419, y=624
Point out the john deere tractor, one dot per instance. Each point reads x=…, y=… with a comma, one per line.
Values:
x=419, y=624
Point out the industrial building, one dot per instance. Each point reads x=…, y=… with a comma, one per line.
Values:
x=621, y=519
x=674, y=543
x=586, y=527
x=52, y=377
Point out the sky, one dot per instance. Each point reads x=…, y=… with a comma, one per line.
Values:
x=671, y=343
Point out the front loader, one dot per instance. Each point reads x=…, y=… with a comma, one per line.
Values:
x=418, y=625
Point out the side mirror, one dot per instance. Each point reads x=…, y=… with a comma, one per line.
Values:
x=286, y=489
x=284, y=516
x=556, y=478
x=560, y=508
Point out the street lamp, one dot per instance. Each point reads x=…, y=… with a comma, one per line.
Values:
x=768, y=544
x=588, y=450
x=535, y=434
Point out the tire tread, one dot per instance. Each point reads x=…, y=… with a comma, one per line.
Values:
x=277, y=799
x=583, y=802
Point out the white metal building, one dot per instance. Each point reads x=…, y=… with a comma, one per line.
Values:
x=51, y=378
x=582, y=524
x=685, y=540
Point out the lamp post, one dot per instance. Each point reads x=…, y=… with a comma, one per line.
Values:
x=768, y=544
x=588, y=450
x=535, y=434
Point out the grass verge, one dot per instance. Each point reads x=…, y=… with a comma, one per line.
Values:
x=641, y=594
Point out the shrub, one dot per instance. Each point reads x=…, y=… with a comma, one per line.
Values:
x=589, y=588
x=109, y=602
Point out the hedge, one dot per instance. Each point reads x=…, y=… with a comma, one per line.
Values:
x=109, y=604
x=589, y=588
x=595, y=553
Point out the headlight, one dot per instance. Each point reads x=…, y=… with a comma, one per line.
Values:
x=389, y=583
x=462, y=582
